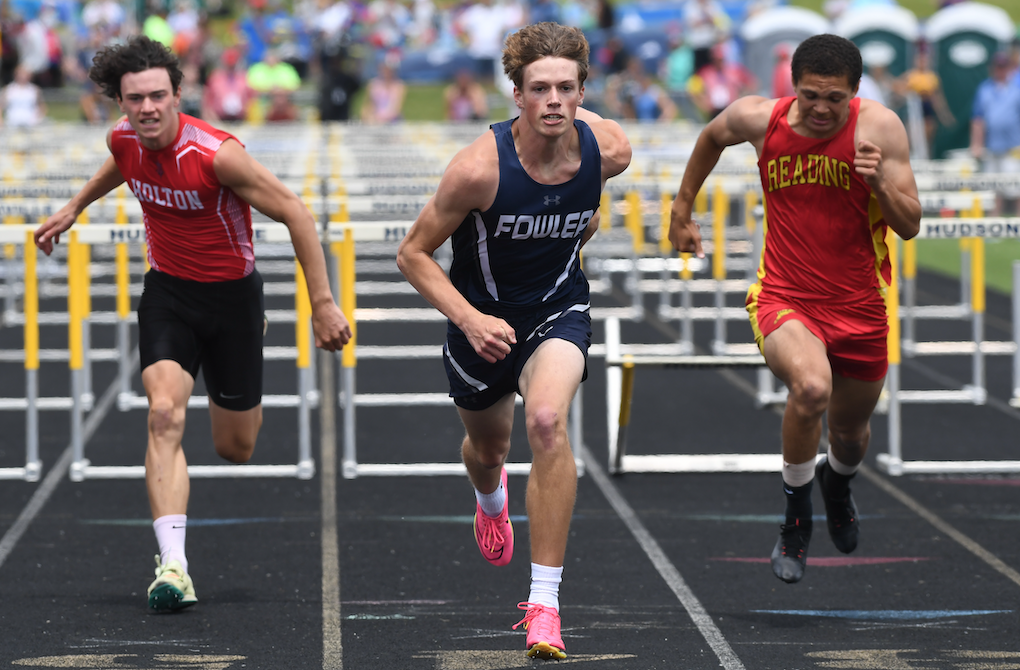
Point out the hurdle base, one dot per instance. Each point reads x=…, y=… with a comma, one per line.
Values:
x=637, y=463
x=354, y=470
x=979, y=394
x=44, y=404
x=896, y=467
x=968, y=395
x=129, y=401
x=766, y=399
x=82, y=470
x=29, y=473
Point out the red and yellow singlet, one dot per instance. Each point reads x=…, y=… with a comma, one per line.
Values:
x=195, y=228
x=825, y=261
x=824, y=232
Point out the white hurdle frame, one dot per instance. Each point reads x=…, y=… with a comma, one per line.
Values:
x=343, y=237
x=620, y=363
x=976, y=229
x=32, y=469
x=1015, y=400
x=967, y=203
x=304, y=400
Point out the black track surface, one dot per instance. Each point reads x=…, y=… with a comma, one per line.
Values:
x=415, y=594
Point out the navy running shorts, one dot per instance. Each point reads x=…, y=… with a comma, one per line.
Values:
x=476, y=384
x=215, y=326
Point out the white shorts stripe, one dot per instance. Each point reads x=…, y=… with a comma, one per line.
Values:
x=476, y=384
x=483, y=257
x=552, y=317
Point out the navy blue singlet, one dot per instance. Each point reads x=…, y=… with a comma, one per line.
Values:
x=523, y=251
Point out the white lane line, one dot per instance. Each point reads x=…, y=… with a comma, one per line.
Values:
x=662, y=564
x=915, y=506
x=59, y=471
x=332, y=640
x=935, y=520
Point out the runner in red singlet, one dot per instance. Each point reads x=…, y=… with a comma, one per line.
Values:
x=202, y=306
x=835, y=172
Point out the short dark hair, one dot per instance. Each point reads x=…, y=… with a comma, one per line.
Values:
x=138, y=55
x=828, y=56
x=540, y=40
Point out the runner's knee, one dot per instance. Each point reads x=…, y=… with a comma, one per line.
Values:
x=849, y=439
x=810, y=394
x=546, y=428
x=489, y=453
x=164, y=418
x=235, y=448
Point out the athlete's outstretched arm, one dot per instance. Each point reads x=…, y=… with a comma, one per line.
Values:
x=469, y=183
x=107, y=178
x=883, y=158
x=251, y=181
x=746, y=120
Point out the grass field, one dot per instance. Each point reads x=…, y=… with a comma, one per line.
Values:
x=943, y=256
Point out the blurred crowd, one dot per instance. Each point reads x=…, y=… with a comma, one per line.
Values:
x=244, y=59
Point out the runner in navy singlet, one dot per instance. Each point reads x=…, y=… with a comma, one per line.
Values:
x=519, y=203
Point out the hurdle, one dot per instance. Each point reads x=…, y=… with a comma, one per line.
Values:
x=77, y=402
x=968, y=204
x=304, y=400
x=78, y=289
x=343, y=239
x=719, y=247
x=974, y=231
x=621, y=361
x=720, y=284
x=31, y=405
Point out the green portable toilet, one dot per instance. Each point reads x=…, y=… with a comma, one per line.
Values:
x=765, y=31
x=963, y=38
x=885, y=34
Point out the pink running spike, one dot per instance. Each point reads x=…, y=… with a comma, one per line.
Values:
x=543, y=626
x=495, y=536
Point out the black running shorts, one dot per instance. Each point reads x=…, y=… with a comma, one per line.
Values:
x=216, y=326
x=476, y=384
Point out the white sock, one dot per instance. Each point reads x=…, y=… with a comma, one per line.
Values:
x=798, y=474
x=492, y=503
x=170, y=532
x=840, y=468
x=545, y=585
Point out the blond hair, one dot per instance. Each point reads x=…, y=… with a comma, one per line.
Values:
x=542, y=40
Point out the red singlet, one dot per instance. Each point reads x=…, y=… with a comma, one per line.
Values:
x=825, y=262
x=824, y=231
x=195, y=227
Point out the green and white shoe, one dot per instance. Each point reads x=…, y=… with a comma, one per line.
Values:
x=172, y=589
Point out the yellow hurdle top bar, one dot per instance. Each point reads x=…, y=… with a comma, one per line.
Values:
x=394, y=231
x=111, y=233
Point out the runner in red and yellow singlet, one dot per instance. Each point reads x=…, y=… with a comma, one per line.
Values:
x=835, y=172
x=202, y=305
